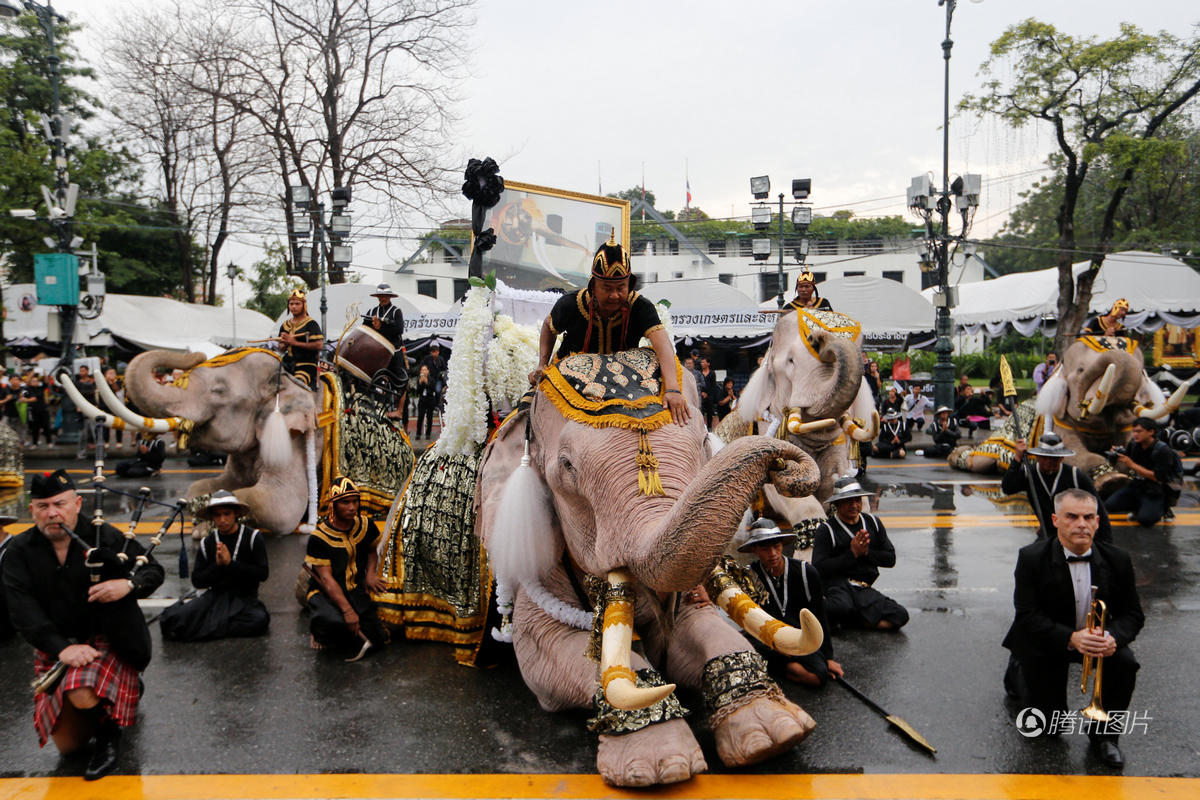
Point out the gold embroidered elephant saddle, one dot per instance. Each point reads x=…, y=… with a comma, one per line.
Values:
x=610, y=390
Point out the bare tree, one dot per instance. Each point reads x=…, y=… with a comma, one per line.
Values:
x=170, y=84
x=354, y=93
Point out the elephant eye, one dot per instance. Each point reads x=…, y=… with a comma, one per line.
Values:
x=565, y=463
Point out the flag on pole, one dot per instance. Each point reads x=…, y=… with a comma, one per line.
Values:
x=688, y=183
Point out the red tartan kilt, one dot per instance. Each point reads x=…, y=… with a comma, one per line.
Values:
x=113, y=681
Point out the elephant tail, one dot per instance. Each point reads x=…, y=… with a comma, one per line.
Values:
x=522, y=546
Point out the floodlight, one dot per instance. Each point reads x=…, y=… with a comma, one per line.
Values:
x=304, y=256
x=301, y=195
x=342, y=256
x=801, y=217
x=340, y=196
x=801, y=188
x=339, y=224
x=9, y=8
x=760, y=249
x=760, y=216
x=760, y=187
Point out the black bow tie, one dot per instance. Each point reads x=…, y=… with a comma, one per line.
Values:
x=1073, y=559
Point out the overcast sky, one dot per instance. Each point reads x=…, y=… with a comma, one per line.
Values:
x=582, y=95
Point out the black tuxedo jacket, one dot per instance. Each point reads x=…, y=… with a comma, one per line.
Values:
x=1045, y=599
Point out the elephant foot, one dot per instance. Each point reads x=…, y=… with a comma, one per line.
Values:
x=762, y=728
x=665, y=752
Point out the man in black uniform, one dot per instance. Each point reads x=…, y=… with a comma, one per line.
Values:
x=386, y=319
x=151, y=453
x=1054, y=579
x=302, y=339
x=807, y=296
x=342, y=554
x=791, y=585
x=848, y=550
x=87, y=619
x=1045, y=478
x=7, y=631
x=607, y=317
x=1156, y=473
x=944, y=433
x=230, y=564
x=1110, y=324
x=893, y=435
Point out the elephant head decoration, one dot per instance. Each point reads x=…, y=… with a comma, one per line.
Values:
x=1092, y=399
x=596, y=511
x=228, y=405
x=811, y=384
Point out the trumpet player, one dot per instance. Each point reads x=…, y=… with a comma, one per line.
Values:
x=1053, y=595
x=86, y=618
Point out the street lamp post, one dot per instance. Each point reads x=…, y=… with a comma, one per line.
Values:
x=338, y=229
x=963, y=195
x=232, y=272
x=760, y=217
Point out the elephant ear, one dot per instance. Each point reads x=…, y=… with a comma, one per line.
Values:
x=756, y=396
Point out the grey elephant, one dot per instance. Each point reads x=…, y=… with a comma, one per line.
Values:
x=810, y=385
x=283, y=440
x=597, y=512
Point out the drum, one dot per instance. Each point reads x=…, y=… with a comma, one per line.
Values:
x=363, y=352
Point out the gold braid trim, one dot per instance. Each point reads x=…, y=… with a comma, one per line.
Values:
x=618, y=612
x=614, y=672
x=649, y=482
x=1092, y=341
x=229, y=357
x=769, y=629
x=739, y=606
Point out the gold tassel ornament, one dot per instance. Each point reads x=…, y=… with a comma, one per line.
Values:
x=649, y=483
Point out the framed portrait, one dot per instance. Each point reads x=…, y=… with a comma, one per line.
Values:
x=545, y=238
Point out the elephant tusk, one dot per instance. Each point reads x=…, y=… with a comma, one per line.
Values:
x=798, y=428
x=87, y=409
x=132, y=420
x=616, y=641
x=761, y=625
x=1176, y=398
x=859, y=433
x=1096, y=402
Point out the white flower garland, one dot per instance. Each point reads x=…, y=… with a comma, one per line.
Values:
x=492, y=359
x=664, y=316
x=464, y=422
x=565, y=613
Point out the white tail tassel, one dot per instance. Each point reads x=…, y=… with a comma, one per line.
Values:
x=310, y=466
x=276, y=443
x=522, y=546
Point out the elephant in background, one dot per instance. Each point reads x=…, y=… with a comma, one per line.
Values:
x=811, y=382
x=225, y=408
x=586, y=511
x=1092, y=399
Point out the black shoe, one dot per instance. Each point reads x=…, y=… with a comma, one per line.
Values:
x=1108, y=752
x=106, y=753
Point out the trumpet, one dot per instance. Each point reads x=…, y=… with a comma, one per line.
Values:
x=1096, y=616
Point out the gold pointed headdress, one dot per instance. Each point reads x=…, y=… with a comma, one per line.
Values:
x=611, y=262
x=1121, y=303
x=341, y=488
x=807, y=275
x=298, y=294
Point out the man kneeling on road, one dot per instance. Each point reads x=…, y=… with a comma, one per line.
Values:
x=87, y=620
x=1156, y=474
x=343, y=559
x=1055, y=579
x=791, y=585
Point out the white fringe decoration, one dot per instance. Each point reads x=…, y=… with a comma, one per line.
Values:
x=566, y=614
x=714, y=444
x=504, y=604
x=310, y=466
x=275, y=446
x=522, y=546
x=753, y=402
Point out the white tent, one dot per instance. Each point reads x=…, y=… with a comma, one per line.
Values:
x=146, y=322
x=709, y=309
x=1159, y=289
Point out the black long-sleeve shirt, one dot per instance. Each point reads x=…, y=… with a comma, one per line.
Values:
x=48, y=604
x=243, y=574
x=391, y=322
x=836, y=562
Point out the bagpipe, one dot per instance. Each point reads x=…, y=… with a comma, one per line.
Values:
x=105, y=563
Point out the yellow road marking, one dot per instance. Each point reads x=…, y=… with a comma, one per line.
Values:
x=732, y=787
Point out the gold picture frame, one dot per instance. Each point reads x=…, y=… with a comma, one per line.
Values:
x=546, y=238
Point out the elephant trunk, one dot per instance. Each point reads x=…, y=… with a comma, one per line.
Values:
x=682, y=550
x=147, y=393
x=844, y=378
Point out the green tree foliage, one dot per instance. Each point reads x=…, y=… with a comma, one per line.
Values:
x=634, y=194
x=269, y=281
x=1110, y=104
x=134, y=247
x=1160, y=209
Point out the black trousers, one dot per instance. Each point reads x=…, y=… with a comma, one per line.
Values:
x=329, y=627
x=858, y=607
x=1041, y=683
x=1145, y=499
x=425, y=413
x=214, y=615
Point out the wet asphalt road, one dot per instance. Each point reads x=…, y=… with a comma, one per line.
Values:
x=270, y=705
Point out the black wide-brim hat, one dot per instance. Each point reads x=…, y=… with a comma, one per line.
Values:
x=846, y=489
x=763, y=531
x=1051, y=446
